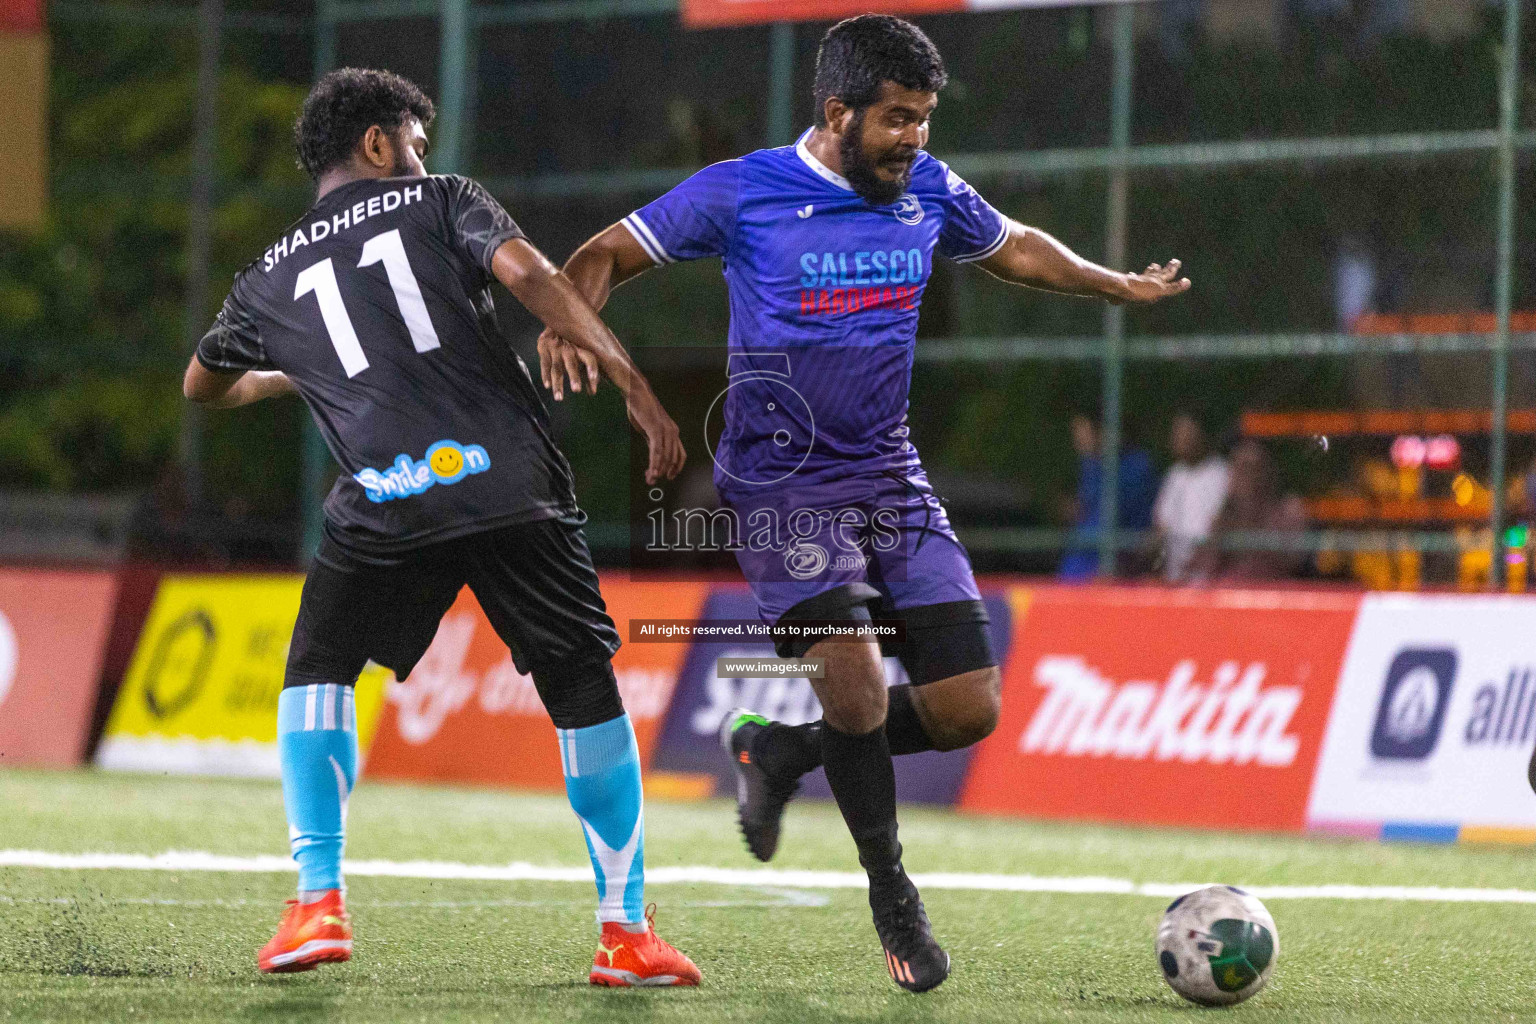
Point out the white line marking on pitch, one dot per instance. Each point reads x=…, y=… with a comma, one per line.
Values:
x=177, y=860
x=777, y=898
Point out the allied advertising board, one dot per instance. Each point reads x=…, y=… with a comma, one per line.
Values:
x=53, y=630
x=1434, y=722
x=200, y=695
x=1196, y=708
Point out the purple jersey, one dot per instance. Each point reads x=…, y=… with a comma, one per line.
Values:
x=824, y=292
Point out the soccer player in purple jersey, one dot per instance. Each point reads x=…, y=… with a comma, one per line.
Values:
x=827, y=247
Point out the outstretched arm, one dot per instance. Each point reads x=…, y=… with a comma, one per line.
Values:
x=1033, y=258
x=606, y=261
x=228, y=390
x=550, y=296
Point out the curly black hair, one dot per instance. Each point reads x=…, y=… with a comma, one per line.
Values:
x=344, y=104
x=858, y=54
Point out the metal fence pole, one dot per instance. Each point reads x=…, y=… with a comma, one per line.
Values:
x=453, y=50
x=781, y=88
x=1508, y=96
x=200, y=226
x=316, y=459
x=325, y=36
x=1114, y=316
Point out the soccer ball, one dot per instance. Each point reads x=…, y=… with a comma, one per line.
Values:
x=1217, y=946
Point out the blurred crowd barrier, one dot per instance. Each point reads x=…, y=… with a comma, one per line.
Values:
x=1394, y=716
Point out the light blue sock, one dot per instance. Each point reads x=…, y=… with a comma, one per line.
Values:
x=602, y=780
x=317, y=740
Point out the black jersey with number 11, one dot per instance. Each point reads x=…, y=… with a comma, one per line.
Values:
x=377, y=305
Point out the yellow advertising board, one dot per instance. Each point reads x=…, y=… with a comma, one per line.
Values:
x=200, y=695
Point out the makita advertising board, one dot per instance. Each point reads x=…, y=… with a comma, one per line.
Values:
x=1434, y=722
x=1193, y=708
x=690, y=743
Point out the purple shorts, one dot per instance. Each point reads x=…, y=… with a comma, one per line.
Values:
x=884, y=529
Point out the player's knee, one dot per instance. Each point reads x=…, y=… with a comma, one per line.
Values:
x=855, y=715
x=854, y=707
x=579, y=696
x=852, y=691
x=971, y=713
x=987, y=708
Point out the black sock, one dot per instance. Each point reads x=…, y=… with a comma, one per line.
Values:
x=789, y=751
x=864, y=784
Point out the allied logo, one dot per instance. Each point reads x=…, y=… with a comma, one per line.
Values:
x=803, y=214
x=447, y=462
x=805, y=560
x=909, y=210
x=1413, y=702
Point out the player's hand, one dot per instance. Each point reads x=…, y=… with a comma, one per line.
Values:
x=1154, y=284
x=661, y=434
x=560, y=361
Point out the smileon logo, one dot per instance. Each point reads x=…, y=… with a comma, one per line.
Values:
x=8, y=656
x=909, y=210
x=1234, y=719
x=1413, y=701
x=447, y=462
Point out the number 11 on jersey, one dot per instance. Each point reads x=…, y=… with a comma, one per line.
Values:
x=388, y=249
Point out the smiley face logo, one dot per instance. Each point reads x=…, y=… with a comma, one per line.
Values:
x=451, y=462
x=446, y=462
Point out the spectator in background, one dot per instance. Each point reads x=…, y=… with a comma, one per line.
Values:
x=1136, y=488
x=1192, y=495
x=1354, y=282
x=1254, y=502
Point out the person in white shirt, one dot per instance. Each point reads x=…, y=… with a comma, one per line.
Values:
x=1190, y=498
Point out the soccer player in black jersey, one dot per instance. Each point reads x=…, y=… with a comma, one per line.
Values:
x=375, y=307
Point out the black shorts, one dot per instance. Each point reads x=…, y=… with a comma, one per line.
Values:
x=535, y=582
x=941, y=640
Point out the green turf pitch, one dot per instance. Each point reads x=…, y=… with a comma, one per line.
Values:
x=179, y=946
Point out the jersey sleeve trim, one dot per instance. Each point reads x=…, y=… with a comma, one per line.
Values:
x=647, y=239
x=996, y=244
x=495, y=242
x=214, y=366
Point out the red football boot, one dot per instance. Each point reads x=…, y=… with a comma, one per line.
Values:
x=311, y=934
x=627, y=959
